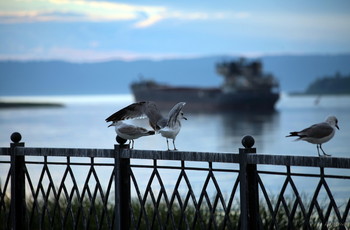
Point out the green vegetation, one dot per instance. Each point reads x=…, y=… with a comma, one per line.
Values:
x=337, y=84
x=92, y=215
x=185, y=219
x=61, y=214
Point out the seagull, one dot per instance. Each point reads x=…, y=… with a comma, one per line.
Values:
x=318, y=133
x=130, y=132
x=173, y=124
x=168, y=127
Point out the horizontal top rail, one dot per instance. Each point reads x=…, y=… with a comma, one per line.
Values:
x=60, y=152
x=181, y=155
x=327, y=162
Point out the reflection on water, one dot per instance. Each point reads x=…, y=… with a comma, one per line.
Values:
x=256, y=124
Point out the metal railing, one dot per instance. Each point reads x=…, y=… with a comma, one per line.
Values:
x=143, y=189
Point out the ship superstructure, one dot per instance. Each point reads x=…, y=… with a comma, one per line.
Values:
x=245, y=86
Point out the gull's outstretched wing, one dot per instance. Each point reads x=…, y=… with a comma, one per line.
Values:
x=174, y=113
x=135, y=110
x=139, y=110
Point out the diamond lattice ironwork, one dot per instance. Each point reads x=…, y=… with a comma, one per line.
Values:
x=292, y=212
x=180, y=208
x=5, y=200
x=53, y=204
x=78, y=197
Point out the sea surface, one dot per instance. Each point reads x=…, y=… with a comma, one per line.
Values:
x=81, y=124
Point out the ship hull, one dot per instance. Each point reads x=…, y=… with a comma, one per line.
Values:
x=209, y=99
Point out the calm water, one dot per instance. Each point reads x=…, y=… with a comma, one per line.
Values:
x=80, y=124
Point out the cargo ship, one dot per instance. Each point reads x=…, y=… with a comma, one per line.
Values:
x=245, y=87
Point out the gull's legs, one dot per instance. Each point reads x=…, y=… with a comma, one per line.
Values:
x=324, y=152
x=167, y=143
x=318, y=151
x=131, y=142
x=174, y=144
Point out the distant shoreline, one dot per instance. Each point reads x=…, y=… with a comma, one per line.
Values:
x=28, y=104
x=317, y=94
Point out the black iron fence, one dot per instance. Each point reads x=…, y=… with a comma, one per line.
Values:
x=120, y=188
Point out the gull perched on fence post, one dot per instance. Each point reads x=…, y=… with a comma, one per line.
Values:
x=168, y=127
x=318, y=133
x=129, y=131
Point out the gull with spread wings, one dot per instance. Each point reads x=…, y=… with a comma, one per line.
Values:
x=168, y=127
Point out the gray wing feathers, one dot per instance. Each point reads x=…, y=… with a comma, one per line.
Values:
x=161, y=123
x=149, y=109
x=139, y=110
x=134, y=110
x=317, y=131
x=155, y=117
x=174, y=113
x=133, y=130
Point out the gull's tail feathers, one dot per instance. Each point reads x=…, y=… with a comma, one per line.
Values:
x=296, y=134
x=293, y=134
x=151, y=132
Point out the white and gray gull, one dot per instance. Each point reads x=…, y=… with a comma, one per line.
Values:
x=129, y=131
x=168, y=127
x=318, y=133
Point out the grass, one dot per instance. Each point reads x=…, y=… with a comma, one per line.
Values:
x=85, y=214
x=182, y=219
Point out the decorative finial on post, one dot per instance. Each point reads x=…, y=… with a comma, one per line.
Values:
x=121, y=141
x=18, y=206
x=249, y=193
x=16, y=137
x=248, y=141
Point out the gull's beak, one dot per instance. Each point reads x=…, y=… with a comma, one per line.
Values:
x=337, y=127
x=184, y=118
x=111, y=124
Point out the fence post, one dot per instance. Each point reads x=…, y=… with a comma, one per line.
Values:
x=122, y=188
x=18, y=203
x=249, y=195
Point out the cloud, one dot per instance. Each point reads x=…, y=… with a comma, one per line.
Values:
x=39, y=16
x=88, y=55
x=189, y=16
x=149, y=21
x=71, y=10
x=74, y=10
x=142, y=16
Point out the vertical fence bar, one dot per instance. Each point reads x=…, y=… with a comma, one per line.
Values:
x=248, y=187
x=122, y=190
x=243, y=188
x=253, y=194
x=117, y=211
x=18, y=204
x=125, y=193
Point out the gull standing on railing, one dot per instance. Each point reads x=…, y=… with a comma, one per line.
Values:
x=318, y=133
x=168, y=127
x=130, y=132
